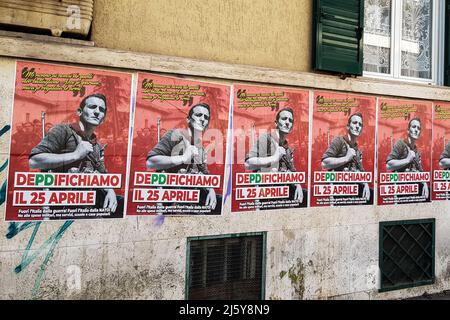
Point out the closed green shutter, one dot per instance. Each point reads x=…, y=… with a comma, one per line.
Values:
x=447, y=44
x=338, y=26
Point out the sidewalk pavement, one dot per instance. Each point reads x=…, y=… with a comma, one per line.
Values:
x=444, y=295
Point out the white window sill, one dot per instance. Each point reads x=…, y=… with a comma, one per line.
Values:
x=405, y=80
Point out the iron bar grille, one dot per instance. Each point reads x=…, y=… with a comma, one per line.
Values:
x=406, y=253
x=228, y=268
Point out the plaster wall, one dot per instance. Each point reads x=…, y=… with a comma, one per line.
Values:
x=313, y=253
x=275, y=34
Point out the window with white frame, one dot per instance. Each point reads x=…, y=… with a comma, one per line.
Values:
x=401, y=39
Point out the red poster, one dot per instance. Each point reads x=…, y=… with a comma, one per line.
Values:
x=270, y=158
x=69, y=143
x=404, y=151
x=441, y=151
x=179, y=147
x=343, y=149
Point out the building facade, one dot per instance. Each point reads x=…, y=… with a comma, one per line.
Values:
x=324, y=252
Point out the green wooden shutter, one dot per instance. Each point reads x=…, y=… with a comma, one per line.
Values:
x=338, y=36
x=447, y=44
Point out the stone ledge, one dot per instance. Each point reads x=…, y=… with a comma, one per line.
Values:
x=21, y=48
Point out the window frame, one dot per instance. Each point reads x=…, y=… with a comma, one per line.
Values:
x=263, y=234
x=437, y=43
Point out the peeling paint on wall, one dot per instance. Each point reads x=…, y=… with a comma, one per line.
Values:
x=296, y=274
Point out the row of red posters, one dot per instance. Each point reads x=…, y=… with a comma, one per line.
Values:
x=83, y=146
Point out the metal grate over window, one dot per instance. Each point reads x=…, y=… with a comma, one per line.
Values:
x=226, y=267
x=406, y=253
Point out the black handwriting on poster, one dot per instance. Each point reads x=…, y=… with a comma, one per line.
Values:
x=51, y=82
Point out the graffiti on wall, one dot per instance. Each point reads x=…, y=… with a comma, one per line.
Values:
x=3, y=167
x=46, y=249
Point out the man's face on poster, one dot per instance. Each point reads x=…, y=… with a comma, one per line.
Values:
x=146, y=132
x=199, y=118
x=28, y=128
x=414, y=129
x=93, y=112
x=48, y=126
x=285, y=121
x=355, y=126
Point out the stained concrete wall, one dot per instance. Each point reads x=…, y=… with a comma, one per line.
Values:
x=276, y=34
x=313, y=253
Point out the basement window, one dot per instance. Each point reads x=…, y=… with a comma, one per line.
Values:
x=406, y=253
x=226, y=267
